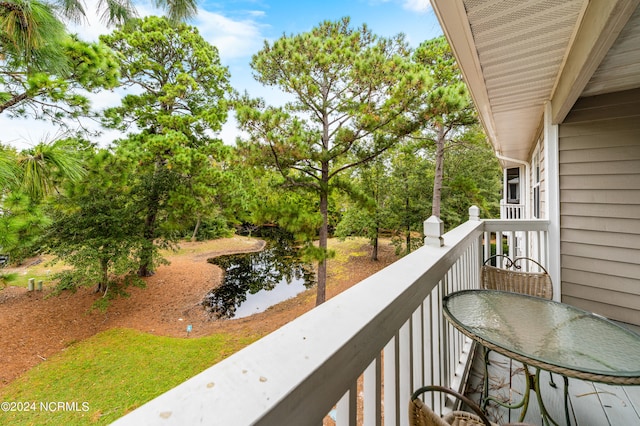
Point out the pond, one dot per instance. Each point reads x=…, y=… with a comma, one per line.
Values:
x=255, y=281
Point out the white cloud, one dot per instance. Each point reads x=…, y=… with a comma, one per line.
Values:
x=233, y=38
x=420, y=6
x=257, y=13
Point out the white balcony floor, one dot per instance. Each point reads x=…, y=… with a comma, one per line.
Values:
x=590, y=404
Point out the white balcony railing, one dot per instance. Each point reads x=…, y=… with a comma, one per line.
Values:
x=358, y=356
x=512, y=211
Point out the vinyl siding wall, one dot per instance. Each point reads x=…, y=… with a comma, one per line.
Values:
x=541, y=152
x=600, y=205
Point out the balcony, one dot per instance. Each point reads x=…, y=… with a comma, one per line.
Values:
x=356, y=358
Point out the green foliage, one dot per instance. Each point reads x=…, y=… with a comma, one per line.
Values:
x=66, y=280
x=414, y=176
x=295, y=211
x=43, y=167
x=356, y=222
x=396, y=189
x=21, y=224
x=210, y=229
x=33, y=174
x=32, y=36
x=43, y=67
x=48, y=85
x=6, y=278
x=178, y=10
x=8, y=168
x=410, y=185
x=446, y=118
x=94, y=227
x=179, y=168
x=473, y=176
x=183, y=83
x=366, y=212
x=112, y=11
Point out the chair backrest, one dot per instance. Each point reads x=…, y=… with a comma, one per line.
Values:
x=420, y=414
x=512, y=278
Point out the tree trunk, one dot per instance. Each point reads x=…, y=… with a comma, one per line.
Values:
x=408, y=239
x=437, y=182
x=324, y=234
x=374, y=252
x=104, y=276
x=407, y=209
x=149, y=231
x=195, y=231
x=146, y=254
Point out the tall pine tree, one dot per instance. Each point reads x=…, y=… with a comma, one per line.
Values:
x=350, y=89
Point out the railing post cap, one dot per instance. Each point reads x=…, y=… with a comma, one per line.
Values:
x=433, y=230
x=474, y=213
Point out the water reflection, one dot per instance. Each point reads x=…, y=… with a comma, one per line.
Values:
x=255, y=281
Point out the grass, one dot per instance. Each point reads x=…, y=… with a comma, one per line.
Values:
x=110, y=374
x=344, y=250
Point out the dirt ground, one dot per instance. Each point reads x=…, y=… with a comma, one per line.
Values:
x=35, y=325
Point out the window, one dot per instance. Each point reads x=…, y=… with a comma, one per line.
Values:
x=513, y=185
x=536, y=185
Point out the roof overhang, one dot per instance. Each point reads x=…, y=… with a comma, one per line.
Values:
x=517, y=55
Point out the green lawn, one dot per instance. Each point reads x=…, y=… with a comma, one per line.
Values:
x=110, y=374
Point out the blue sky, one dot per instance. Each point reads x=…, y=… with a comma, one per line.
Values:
x=238, y=28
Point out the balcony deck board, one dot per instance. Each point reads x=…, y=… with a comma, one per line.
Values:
x=591, y=404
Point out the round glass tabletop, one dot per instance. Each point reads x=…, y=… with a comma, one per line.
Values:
x=547, y=334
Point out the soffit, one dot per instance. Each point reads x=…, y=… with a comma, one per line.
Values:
x=521, y=47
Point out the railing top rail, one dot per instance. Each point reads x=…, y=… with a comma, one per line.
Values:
x=282, y=378
x=501, y=225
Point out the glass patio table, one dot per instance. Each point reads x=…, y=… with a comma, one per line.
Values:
x=547, y=335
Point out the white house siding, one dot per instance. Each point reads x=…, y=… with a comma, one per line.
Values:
x=600, y=205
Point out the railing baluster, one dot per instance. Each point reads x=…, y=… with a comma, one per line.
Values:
x=527, y=247
x=391, y=379
x=342, y=410
x=439, y=378
x=404, y=374
x=544, y=248
x=372, y=393
x=487, y=245
x=429, y=347
x=417, y=348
